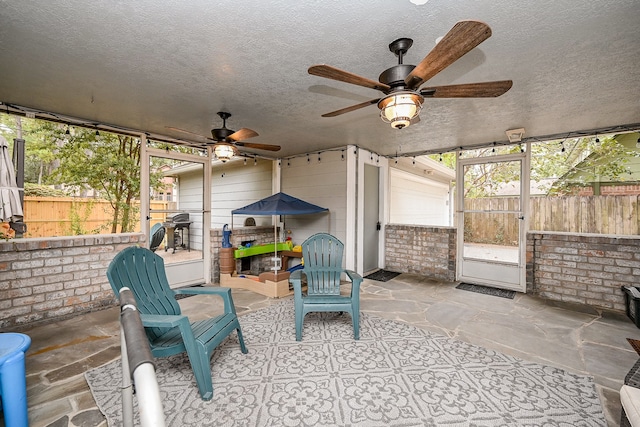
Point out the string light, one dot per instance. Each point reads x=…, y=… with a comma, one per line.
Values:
x=521, y=148
x=342, y=155
x=97, y=132
x=288, y=162
x=255, y=161
x=440, y=157
x=245, y=161
x=414, y=162
x=308, y=159
x=67, y=131
x=319, y=157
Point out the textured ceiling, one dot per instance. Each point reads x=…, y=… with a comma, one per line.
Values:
x=146, y=65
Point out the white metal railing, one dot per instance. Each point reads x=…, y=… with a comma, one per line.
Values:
x=137, y=365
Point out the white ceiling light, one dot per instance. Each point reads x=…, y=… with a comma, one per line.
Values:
x=224, y=151
x=400, y=108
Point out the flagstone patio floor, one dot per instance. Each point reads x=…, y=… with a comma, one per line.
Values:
x=577, y=338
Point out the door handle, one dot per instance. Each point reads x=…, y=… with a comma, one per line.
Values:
x=378, y=226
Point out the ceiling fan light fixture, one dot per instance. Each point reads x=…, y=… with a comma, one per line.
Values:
x=224, y=151
x=400, y=108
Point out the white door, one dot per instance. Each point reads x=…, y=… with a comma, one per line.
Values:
x=492, y=227
x=372, y=226
x=176, y=186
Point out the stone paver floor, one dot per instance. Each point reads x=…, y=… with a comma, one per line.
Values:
x=577, y=338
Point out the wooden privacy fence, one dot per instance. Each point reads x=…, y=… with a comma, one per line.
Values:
x=69, y=216
x=578, y=214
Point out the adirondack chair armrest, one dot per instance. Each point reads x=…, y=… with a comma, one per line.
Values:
x=161, y=320
x=223, y=292
x=356, y=280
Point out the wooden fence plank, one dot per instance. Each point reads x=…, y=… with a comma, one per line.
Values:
x=67, y=216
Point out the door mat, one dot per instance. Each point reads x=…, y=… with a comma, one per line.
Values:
x=382, y=275
x=635, y=344
x=487, y=290
x=183, y=296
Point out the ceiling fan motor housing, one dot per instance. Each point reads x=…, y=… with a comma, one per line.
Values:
x=221, y=134
x=395, y=75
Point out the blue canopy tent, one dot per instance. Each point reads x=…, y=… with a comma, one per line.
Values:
x=278, y=204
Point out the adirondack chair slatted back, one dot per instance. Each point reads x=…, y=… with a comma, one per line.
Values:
x=322, y=254
x=143, y=272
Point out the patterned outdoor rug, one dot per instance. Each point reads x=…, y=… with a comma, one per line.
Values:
x=395, y=375
x=487, y=290
x=382, y=275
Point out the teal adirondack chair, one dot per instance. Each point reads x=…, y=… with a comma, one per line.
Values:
x=169, y=332
x=157, y=235
x=322, y=254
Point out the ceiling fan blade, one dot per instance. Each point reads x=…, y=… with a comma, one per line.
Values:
x=185, y=131
x=468, y=90
x=241, y=134
x=462, y=38
x=257, y=146
x=352, y=108
x=333, y=73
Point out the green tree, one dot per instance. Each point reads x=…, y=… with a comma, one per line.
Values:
x=107, y=163
x=570, y=163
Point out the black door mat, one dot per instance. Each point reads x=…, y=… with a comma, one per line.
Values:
x=635, y=344
x=487, y=290
x=382, y=275
x=183, y=296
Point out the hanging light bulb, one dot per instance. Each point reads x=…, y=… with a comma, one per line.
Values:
x=638, y=143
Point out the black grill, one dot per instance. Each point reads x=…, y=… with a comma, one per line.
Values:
x=176, y=225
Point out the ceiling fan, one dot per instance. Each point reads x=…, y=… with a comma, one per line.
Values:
x=226, y=141
x=403, y=98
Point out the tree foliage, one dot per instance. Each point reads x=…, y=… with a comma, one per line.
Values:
x=569, y=163
x=78, y=161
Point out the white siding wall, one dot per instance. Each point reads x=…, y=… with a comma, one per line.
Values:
x=417, y=200
x=190, y=197
x=323, y=183
x=241, y=185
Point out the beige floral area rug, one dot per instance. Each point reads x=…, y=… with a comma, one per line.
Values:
x=395, y=375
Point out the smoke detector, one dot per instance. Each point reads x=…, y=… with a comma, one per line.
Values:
x=515, y=135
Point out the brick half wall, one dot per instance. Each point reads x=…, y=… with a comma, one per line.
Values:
x=57, y=277
x=424, y=250
x=582, y=268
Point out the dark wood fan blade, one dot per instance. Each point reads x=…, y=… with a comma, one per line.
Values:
x=468, y=90
x=333, y=73
x=241, y=134
x=186, y=131
x=462, y=38
x=257, y=146
x=352, y=108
